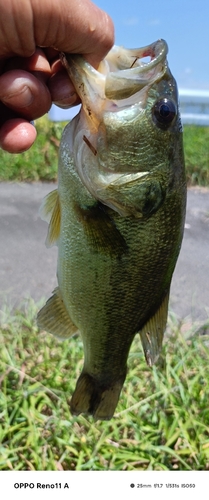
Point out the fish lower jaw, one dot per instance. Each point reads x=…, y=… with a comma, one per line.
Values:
x=93, y=398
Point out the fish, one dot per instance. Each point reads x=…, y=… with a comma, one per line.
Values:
x=117, y=217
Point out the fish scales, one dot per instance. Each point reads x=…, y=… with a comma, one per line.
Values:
x=117, y=218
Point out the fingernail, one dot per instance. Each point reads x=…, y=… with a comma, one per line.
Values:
x=21, y=99
x=67, y=101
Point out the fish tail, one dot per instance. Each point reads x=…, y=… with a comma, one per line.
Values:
x=95, y=399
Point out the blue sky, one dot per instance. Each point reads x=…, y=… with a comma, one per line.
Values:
x=184, y=24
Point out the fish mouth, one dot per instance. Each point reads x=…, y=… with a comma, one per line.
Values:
x=132, y=74
x=121, y=75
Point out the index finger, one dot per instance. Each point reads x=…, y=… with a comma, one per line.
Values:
x=68, y=25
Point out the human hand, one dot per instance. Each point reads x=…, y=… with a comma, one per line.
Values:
x=32, y=33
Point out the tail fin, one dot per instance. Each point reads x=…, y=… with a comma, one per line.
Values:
x=94, y=399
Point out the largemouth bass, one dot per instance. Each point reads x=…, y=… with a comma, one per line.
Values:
x=117, y=217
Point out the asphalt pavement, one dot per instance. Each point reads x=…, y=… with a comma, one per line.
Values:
x=28, y=268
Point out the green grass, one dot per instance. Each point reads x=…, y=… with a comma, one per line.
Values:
x=196, y=149
x=40, y=162
x=161, y=422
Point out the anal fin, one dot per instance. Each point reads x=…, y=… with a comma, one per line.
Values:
x=54, y=318
x=152, y=332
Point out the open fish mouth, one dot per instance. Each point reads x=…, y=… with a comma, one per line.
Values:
x=129, y=73
x=122, y=74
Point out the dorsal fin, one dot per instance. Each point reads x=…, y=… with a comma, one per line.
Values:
x=152, y=332
x=50, y=212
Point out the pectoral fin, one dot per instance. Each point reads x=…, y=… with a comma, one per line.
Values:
x=153, y=331
x=103, y=235
x=50, y=212
x=54, y=318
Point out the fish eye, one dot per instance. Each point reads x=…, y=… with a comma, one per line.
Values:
x=164, y=111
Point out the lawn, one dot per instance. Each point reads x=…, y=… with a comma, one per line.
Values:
x=161, y=422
